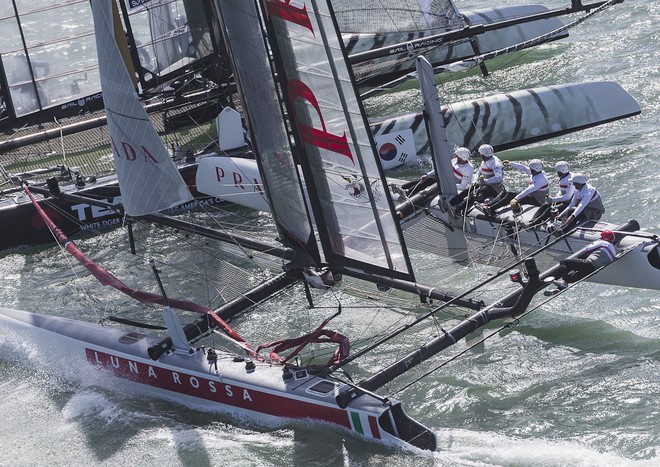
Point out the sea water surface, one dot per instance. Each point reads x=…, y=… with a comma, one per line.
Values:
x=577, y=382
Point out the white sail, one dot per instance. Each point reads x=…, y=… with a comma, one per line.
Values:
x=148, y=179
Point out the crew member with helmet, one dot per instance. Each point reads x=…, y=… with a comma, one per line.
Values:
x=463, y=172
x=463, y=168
x=534, y=194
x=560, y=200
x=488, y=185
x=595, y=255
x=586, y=204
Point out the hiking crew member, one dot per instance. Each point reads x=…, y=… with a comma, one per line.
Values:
x=586, y=204
x=560, y=200
x=534, y=194
x=463, y=168
x=488, y=185
x=463, y=171
x=598, y=254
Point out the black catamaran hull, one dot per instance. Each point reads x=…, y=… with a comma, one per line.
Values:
x=264, y=394
x=24, y=226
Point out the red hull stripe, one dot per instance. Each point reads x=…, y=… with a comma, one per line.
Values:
x=231, y=395
x=373, y=424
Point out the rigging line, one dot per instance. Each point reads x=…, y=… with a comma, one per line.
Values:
x=206, y=133
x=70, y=263
x=439, y=308
x=207, y=253
x=235, y=242
x=509, y=324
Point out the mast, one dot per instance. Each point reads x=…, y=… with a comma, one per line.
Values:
x=435, y=126
x=441, y=153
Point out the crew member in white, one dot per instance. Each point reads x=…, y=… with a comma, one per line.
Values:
x=463, y=171
x=463, y=168
x=596, y=255
x=534, y=194
x=560, y=200
x=586, y=204
x=489, y=182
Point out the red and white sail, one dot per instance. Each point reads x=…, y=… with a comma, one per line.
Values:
x=348, y=191
x=148, y=179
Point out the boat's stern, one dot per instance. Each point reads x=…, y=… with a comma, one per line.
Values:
x=389, y=423
x=397, y=423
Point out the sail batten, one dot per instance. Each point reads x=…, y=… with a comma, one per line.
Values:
x=348, y=191
x=148, y=179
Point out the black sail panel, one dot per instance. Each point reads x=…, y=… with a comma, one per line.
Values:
x=266, y=124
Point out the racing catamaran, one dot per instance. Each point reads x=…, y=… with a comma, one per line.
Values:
x=355, y=232
x=513, y=119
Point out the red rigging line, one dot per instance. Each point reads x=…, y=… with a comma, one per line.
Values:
x=107, y=278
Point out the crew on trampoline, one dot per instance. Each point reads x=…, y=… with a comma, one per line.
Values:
x=488, y=185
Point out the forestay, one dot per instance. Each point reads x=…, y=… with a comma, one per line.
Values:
x=348, y=191
x=148, y=179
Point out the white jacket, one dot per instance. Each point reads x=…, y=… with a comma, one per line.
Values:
x=538, y=184
x=566, y=189
x=586, y=197
x=463, y=173
x=492, y=170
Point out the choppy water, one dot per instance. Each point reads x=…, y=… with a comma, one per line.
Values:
x=576, y=383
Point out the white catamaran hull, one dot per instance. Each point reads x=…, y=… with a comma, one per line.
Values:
x=261, y=394
x=638, y=267
x=517, y=118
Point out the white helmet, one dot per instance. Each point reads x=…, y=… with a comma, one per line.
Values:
x=486, y=150
x=579, y=178
x=562, y=167
x=536, y=165
x=462, y=153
